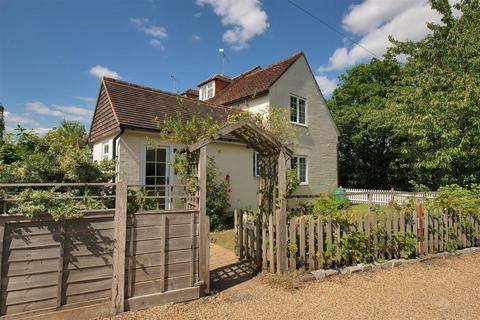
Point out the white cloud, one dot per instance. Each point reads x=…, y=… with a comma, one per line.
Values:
x=87, y=99
x=326, y=85
x=41, y=131
x=196, y=37
x=101, y=71
x=373, y=21
x=41, y=108
x=72, y=113
x=146, y=26
x=157, y=44
x=12, y=120
x=197, y=14
x=246, y=18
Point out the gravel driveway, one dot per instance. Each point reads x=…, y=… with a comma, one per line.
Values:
x=433, y=289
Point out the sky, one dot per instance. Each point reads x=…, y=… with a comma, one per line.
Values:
x=53, y=53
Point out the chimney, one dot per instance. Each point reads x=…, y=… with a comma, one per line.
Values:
x=212, y=86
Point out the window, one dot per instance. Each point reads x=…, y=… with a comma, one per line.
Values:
x=156, y=174
x=298, y=110
x=299, y=164
x=256, y=164
x=106, y=151
x=207, y=91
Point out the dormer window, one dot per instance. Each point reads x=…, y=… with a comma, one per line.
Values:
x=207, y=91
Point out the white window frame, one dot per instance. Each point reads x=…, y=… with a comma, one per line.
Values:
x=298, y=98
x=304, y=183
x=106, y=155
x=204, y=90
x=169, y=172
x=256, y=169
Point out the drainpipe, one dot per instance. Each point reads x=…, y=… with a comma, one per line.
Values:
x=114, y=147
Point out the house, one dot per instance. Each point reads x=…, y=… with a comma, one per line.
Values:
x=122, y=126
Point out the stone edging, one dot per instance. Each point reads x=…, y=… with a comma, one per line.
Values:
x=324, y=273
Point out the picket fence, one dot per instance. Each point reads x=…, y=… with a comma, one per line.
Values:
x=385, y=197
x=310, y=239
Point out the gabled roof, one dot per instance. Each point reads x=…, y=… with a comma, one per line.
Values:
x=215, y=76
x=254, y=82
x=127, y=105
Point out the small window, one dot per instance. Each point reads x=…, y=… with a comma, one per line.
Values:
x=207, y=91
x=256, y=164
x=298, y=111
x=106, y=151
x=299, y=164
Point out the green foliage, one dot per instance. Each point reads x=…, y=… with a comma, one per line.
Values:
x=58, y=204
x=462, y=200
x=2, y=122
x=419, y=120
x=59, y=156
x=217, y=197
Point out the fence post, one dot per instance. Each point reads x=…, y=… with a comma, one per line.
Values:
x=204, y=232
x=281, y=225
x=240, y=235
x=120, y=228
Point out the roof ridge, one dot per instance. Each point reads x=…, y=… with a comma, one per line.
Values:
x=296, y=54
x=136, y=86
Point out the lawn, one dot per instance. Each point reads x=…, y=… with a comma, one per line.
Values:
x=224, y=239
x=363, y=208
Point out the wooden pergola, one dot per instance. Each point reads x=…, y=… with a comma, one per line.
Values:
x=272, y=181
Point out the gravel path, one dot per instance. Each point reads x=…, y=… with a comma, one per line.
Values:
x=434, y=289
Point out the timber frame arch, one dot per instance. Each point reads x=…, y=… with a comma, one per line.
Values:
x=272, y=180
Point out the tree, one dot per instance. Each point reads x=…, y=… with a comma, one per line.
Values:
x=417, y=120
x=367, y=157
x=2, y=121
x=434, y=108
x=56, y=157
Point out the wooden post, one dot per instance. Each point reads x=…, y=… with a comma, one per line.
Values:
x=302, y=244
x=204, y=246
x=235, y=228
x=120, y=236
x=293, y=241
x=264, y=243
x=271, y=244
x=258, y=240
x=163, y=255
x=240, y=235
x=311, y=243
x=281, y=225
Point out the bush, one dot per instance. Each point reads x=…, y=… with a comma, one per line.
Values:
x=217, y=197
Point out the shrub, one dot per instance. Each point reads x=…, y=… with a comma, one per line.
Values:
x=217, y=197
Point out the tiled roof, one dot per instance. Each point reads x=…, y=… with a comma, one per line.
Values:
x=215, y=76
x=254, y=82
x=136, y=106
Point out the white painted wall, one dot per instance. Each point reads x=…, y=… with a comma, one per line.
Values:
x=234, y=159
x=98, y=149
x=318, y=140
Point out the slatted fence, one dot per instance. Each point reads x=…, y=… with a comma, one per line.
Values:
x=385, y=197
x=318, y=242
x=105, y=261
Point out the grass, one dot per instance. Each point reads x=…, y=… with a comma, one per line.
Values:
x=224, y=239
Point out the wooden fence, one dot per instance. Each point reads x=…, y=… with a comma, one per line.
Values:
x=102, y=263
x=385, y=197
x=316, y=242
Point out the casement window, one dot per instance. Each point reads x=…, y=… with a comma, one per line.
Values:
x=256, y=164
x=300, y=164
x=298, y=110
x=207, y=91
x=156, y=174
x=106, y=151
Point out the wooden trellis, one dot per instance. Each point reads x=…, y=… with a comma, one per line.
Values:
x=273, y=176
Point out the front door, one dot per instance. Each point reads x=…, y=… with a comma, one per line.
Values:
x=157, y=176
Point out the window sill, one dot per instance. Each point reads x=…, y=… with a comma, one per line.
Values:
x=303, y=183
x=299, y=124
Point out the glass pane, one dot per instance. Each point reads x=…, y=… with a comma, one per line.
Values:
x=301, y=111
x=161, y=169
x=302, y=169
x=293, y=109
x=150, y=155
x=149, y=181
x=161, y=181
x=293, y=163
x=150, y=169
x=161, y=155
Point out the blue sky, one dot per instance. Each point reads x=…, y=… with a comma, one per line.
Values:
x=53, y=52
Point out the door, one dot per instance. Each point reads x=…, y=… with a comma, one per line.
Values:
x=157, y=178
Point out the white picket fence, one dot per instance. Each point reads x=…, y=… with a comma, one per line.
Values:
x=384, y=197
